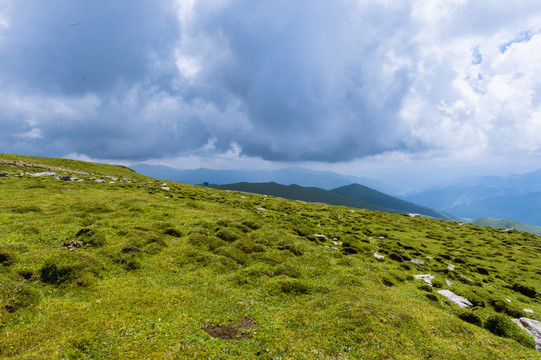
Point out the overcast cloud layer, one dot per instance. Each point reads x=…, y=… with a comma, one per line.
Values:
x=326, y=80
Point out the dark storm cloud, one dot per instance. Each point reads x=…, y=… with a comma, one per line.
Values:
x=75, y=47
x=311, y=75
x=329, y=80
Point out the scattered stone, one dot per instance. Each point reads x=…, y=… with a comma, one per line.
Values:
x=451, y=267
x=378, y=256
x=528, y=311
x=426, y=278
x=261, y=209
x=320, y=237
x=448, y=282
x=42, y=174
x=462, y=302
x=63, y=178
x=332, y=248
x=165, y=188
x=532, y=327
x=73, y=244
x=417, y=261
x=99, y=181
x=464, y=277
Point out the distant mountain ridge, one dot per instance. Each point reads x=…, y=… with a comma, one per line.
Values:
x=353, y=195
x=294, y=175
x=507, y=224
x=516, y=197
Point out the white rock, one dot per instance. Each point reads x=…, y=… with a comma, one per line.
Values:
x=448, y=282
x=165, y=188
x=378, y=256
x=528, y=310
x=532, y=327
x=320, y=236
x=42, y=174
x=417, y=261
x=451, y=267
x=99, y=181
x=462, y=302
x=427, y=278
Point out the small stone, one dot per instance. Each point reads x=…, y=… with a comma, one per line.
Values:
x=99, y=181
x=462, y=302
x=426, y=278
x=450, y=267
x=448, y=282
x=528, y=311
x=417, y=261
x=378, y=256
x=63, y=178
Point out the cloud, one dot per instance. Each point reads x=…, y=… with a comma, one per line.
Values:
x=328, y=81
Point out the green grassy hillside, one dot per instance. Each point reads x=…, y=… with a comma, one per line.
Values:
x=363, y=193
x=296, y=192
x=353, y=195
x=135, y=269
x=507, y=224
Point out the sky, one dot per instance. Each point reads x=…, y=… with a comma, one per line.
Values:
x=400, y=91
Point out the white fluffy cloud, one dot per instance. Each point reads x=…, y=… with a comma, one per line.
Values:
x=330, y=81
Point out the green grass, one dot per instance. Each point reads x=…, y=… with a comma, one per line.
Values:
x=129, y=270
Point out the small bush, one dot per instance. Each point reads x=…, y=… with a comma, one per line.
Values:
x=482, y=271
x=471, y=317
x=65, y=269
x=153, y=248
x=91, y=237
x=227, y=235
x=7, y=257
x=525, y=290
x=233, y=253
x=158, y=240
x=248, y=246
x=291, y=286
x=251, y=224
x=198, y=239
x=502, y=326
x=173, y=232
x=297, y=250
x=287, y=270
x=505, y=307
x=22, y=297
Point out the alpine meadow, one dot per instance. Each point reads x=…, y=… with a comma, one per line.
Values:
x=100, y=262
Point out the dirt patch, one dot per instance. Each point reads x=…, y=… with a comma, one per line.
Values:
x=235, y=331
x=73, y=244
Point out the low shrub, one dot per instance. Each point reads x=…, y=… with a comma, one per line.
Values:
x=22, y=297
x=290, y=286
x=227, y=235
x=471, y=317
x=502, y=326
x=525, y=290
x=505, y=307
x=7, y=257
x=90, y=236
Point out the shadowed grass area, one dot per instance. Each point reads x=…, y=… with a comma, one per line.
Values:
x=127, y=269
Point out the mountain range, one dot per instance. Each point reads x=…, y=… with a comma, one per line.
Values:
x=516, y=197
x=293, y=175
x=353, y=195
